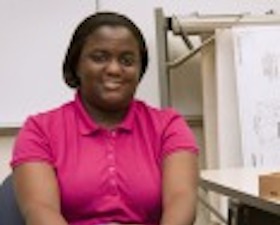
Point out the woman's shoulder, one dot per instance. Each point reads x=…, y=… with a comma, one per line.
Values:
x=143, y=107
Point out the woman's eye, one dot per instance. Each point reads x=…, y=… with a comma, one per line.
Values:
x=127, y=60
x=99, y=57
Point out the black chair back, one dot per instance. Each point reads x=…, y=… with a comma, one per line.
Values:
x=9, y=211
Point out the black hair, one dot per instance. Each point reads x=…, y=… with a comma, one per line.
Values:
x=86, y=28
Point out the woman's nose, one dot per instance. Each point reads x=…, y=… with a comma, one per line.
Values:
x=114, y=67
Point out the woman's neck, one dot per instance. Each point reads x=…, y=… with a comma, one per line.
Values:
x=106, y=118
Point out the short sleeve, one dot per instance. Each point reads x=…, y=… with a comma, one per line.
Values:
x=177, y=135
x=31, y=144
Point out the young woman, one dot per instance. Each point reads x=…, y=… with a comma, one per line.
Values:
x=106, y=157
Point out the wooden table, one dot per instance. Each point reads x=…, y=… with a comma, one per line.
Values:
x=241, y=184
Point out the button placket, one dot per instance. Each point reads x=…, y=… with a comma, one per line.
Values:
x=111, y=162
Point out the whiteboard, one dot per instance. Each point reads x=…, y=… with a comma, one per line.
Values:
x=33, y=40
x=257, y=62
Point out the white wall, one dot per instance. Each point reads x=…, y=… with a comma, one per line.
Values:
x=34, y=38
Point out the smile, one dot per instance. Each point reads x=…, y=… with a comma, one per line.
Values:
x=112, y=85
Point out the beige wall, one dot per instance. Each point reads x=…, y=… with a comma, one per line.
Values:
x=6, y=143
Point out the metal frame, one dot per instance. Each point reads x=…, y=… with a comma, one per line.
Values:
x=161, y=37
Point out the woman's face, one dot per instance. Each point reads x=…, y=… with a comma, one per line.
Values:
x=109, y=68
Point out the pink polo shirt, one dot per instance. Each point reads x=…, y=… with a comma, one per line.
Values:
x=105, y=175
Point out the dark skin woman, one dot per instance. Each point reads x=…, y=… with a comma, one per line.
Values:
x=106, y=70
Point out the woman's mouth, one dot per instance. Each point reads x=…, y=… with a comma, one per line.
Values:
x=112, y=85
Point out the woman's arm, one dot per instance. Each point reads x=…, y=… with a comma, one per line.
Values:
x=180, y=184
x=37, y=194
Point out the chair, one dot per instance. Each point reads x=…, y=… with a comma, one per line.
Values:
x=9, y=211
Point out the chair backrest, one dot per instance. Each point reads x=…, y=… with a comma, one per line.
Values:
x=9, y=211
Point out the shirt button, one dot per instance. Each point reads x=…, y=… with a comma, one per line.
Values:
x=110, y=146
x=113, y=182
x=110, y=156
x=112, y=169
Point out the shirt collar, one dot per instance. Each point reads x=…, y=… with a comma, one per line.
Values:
x=89, y=126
